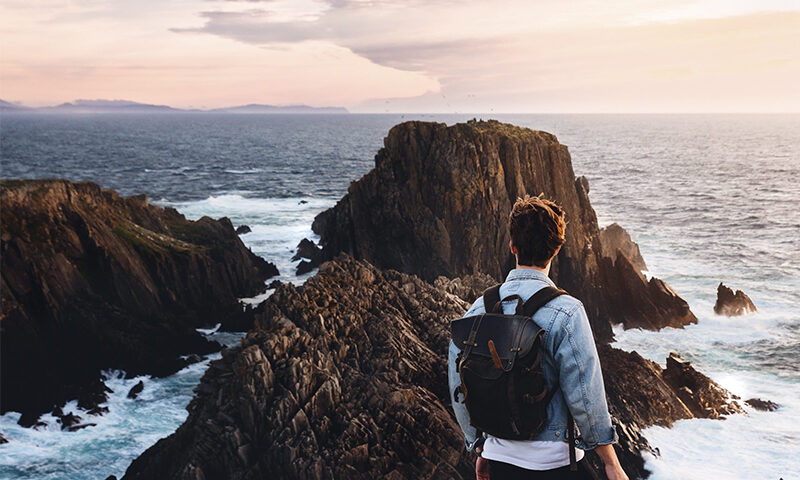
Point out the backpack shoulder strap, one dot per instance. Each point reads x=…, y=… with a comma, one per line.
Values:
x=540, y=298
x=491, y=300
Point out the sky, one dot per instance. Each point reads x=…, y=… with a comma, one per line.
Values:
x=443, y=56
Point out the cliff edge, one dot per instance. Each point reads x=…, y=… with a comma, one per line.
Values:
x=92, y=280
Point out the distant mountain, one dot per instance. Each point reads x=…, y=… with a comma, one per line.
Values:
x=256, y=108
x=108, y=106
x=12, y=107
x=127, y=106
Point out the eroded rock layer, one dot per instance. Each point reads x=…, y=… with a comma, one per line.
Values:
x=437, y=203
x=347, y=379
x=91, y=280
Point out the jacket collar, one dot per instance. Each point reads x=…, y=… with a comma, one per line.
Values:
x=529, y=274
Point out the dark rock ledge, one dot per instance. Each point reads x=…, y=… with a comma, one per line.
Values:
x=92, y=280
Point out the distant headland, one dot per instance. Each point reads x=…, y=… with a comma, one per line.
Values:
x=127, y=106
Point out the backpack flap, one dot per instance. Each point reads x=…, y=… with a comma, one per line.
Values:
x=512, y=335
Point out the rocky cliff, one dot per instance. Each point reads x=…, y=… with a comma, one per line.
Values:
x=437, y=203
x=91, y=280
x=346, y=378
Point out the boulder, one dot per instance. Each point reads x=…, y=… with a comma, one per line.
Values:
x=242, y=229
x=731, y=304
x=438, y=200
x=92, y=281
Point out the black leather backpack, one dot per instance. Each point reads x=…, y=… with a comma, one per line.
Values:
x=502, y=381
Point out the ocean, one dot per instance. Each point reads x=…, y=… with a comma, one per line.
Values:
x=708, y=198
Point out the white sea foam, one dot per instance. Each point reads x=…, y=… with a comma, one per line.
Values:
x=277, y=226
x=119, y=436
x=758, y=445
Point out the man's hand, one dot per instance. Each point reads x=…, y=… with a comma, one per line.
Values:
x=613, y=468
x=481, y=466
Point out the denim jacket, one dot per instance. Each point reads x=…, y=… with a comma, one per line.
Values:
x=569, y=355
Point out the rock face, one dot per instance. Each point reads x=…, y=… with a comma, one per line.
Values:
x=616, y=241
x=91, y=280
x=699, y=393
x=345, y=379
x=438, y=200
x=732, y=304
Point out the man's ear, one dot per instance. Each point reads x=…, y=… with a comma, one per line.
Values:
x=512, y=247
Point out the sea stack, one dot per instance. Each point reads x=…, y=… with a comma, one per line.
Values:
x=437, y=201
x=732, y=304
x=92, y=280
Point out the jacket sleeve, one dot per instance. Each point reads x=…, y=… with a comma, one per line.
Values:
x=471, y=438
x=581, y=380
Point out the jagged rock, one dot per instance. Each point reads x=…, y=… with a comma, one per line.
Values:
x=468, y=287
x=75, y=428
x=3, y=439
x=136, y=390
x=345, y=379
x=69, y=420
x=310, y=251
x=242, y=229
x=732, y=304
x=274, y=284
x=93, y=395
x=438, y=200
x=699, y=393
x=616, y=241
x=764, y=405
x=92, y=280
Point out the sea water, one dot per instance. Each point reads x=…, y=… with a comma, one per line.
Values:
x=709, y=198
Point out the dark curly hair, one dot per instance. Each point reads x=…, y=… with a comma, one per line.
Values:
x=537, y=229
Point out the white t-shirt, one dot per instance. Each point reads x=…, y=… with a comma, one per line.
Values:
x=530, y=454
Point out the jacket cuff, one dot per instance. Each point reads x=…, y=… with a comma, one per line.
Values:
x=608, y=437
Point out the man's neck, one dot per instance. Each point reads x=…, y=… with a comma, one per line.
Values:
x=545, y=270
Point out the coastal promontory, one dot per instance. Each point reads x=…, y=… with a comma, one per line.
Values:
x=92, y=280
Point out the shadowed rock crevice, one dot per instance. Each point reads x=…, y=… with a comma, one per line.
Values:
x=92, y=280
x=437, y=203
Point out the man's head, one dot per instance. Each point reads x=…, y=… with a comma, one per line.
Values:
x=537, y=229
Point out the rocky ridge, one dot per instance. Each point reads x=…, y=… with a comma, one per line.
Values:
x=437, y=201
x=346, y=378
x=92, y=280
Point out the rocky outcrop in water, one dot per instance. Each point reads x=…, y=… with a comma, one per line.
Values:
x=92, y=280
x=763, y=405
x=732, y=304
x=346, y=378
x=616, y=241
x=311, y=253
x=437, y=203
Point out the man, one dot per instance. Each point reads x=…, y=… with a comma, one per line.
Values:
x=569, y=360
